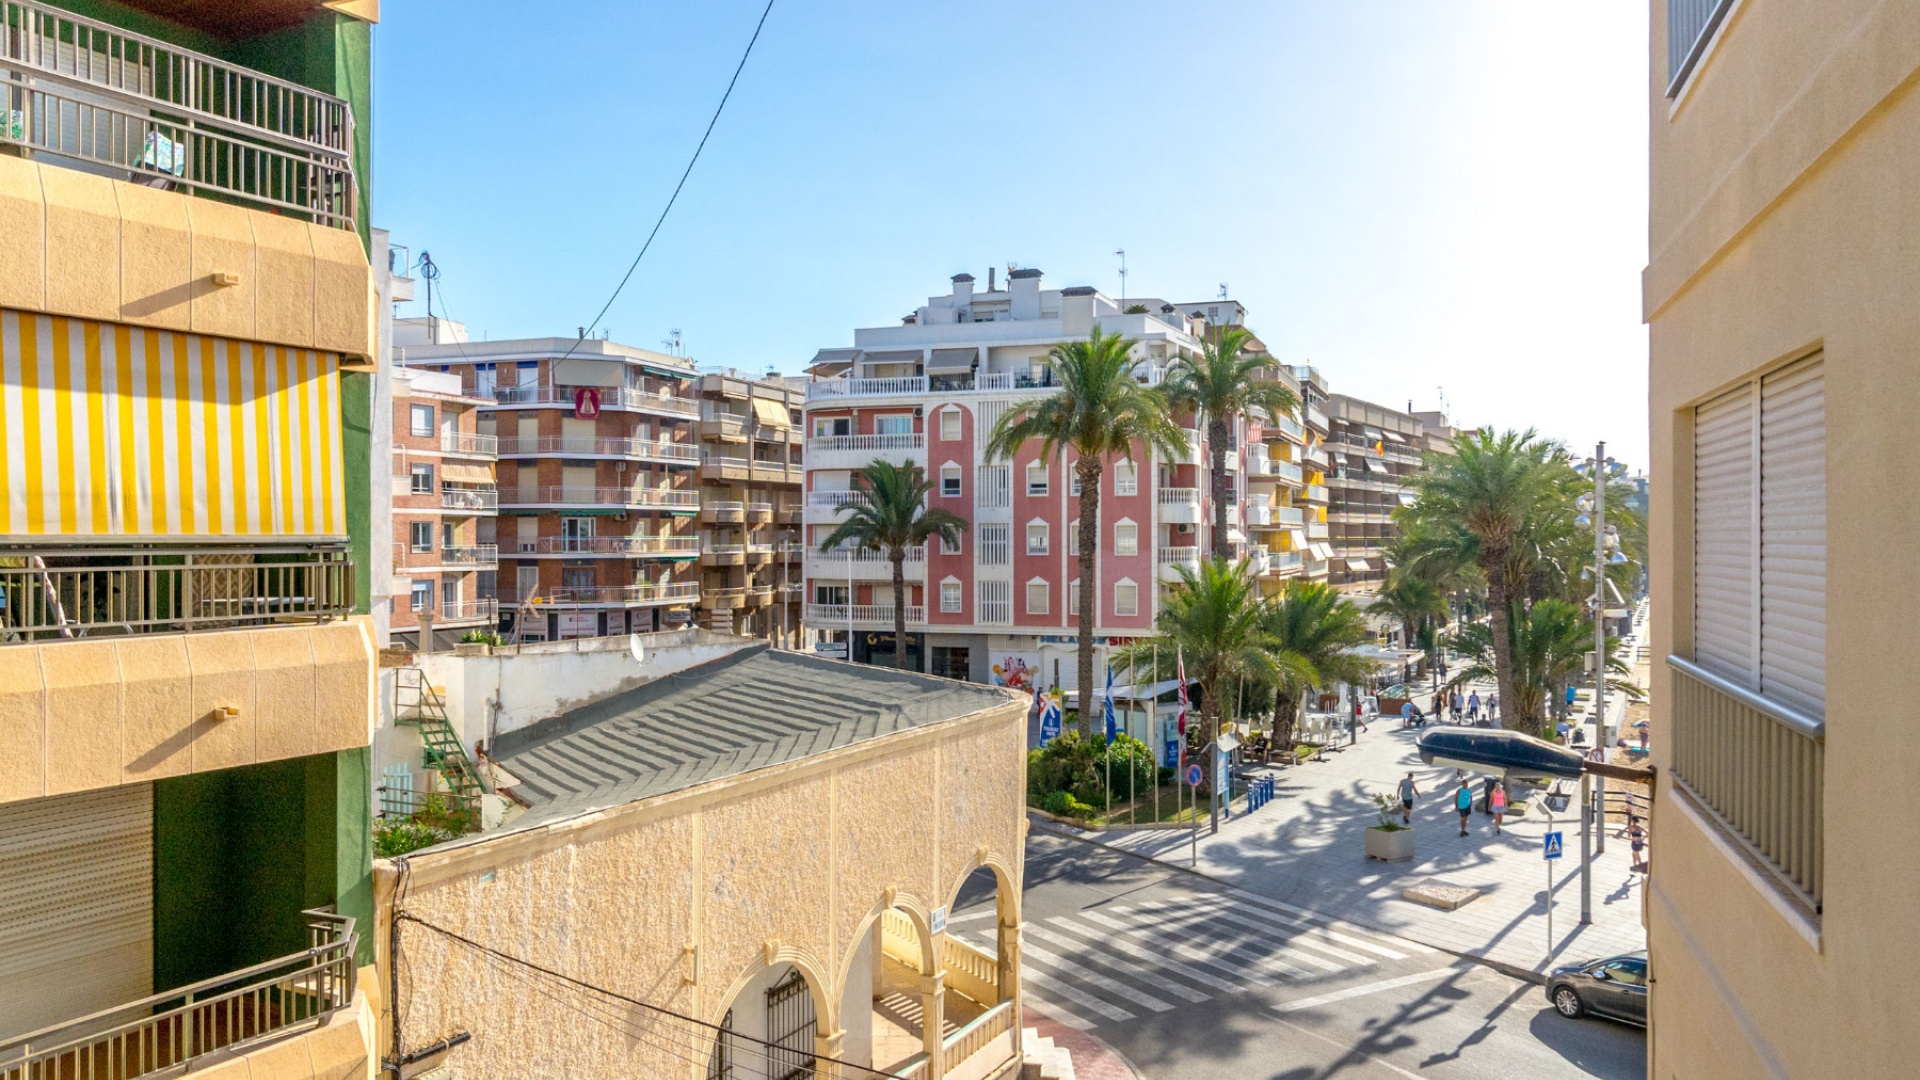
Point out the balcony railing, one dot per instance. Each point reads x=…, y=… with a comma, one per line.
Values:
x=477, y=555
x=834, y=499
x=650, y=397
x=227, y=1013
x=678, y=592
x=60, y=593
x=469, y=444
x=830, y=443
x=911, y=385
x=1760, y=767
x=1179, y=495
x=674, y=453
x=1283, y=561
x=830, y=615
x=642, y=498
x=169, y=117
x=485, y=608
x=618, y=545
x=1178, y=556
x=469, y=499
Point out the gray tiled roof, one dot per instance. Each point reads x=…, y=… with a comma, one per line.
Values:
x=750, y=710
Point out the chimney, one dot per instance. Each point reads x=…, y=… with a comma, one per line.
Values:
x=1024, y=284
x=990, y=279
x=583, y=333
x=962, y=292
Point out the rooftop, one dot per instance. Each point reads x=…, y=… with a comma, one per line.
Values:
x=751, y=710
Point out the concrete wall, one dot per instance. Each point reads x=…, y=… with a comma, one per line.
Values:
x=684, y=900
x=85, y=714
x=1783, y=186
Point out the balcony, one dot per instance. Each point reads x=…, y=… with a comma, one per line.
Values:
x=652, y=396
x=729, y=599
x=1315, y=493
x=824, y=507
x=1288, y=517
x=663, y=451
x=227, y=1014
x=830, y=389
x=726, y=469
x=759, y=595
x=1171, y=559
x=723, y=428
x=1259, y=515
x=678, y=593
x=1180, y=506
x=777, y=472
x=1316, y=455
x=65, y=593
x=788, y=513
x=1316, y=530
x=1756, y=769
x=1284, y=563
x=469, y=444
x=724, y=555
x=723, y=513
x=865, y=565
x=563, y=496
x=839, y=389
x=483, y=610
x=1316, y=419
x=759, y=513
x=154, y=113
x=475, y=501
x=640, y=546
x=828, y=616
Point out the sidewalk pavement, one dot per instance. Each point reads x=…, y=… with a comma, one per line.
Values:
x=1306, y=848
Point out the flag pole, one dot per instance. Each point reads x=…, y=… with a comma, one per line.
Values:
x=1153, y=714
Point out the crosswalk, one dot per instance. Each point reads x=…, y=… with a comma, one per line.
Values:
x=1115, y=962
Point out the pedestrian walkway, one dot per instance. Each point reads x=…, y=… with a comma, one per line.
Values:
x=1123, y=961
x=1305, y=849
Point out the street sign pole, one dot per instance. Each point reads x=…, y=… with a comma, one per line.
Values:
x=1194, y=775
x=1551, y=847
x=1586, y=850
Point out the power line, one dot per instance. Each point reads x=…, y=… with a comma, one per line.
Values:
x=734, y=1037
x=738, y=68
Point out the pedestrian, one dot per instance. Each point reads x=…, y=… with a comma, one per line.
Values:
x=1439, y=704
x=1463, y=802
x=1458, y=705
x=1497, y=800
x=1473, y=706
x=1493, y=710
x=1359, y=717
x=1407, y=792
x=1637, y=835
x=1407, y=712
x=1486, y=793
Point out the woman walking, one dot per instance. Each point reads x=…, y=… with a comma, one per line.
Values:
x=1497, y=801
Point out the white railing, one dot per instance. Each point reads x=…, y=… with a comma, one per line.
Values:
x=831, y=615
x=618, y=545
x=830, y=443
x=760, y=509
x=651, y=396
x=1316, y=492
x=596, y=446
x=1178, y=495
x=469, y=499
x=567, y=495
x=468, y=444
x=1280, y=561
x=991, y=1030
x=835, y=499
x=1316, y=418
x=914, y=1069
x=1316, y=456
x=849, y=387
x=1259, y=514
x=680, y=592
x=726, y=507
x=1287, y=424
x=1288, y=471
x=1178, y=556
x=463, y=610
x=164, y=115
x=477, y=555
x=726, y=462
x=1288, y=515
x=914, y=554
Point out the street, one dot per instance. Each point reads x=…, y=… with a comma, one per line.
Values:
x=1191, y=979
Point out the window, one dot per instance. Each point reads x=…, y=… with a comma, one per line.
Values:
x=423, y=596
x=449, y=596
x=1760, y=536
x=1126, y=538
x=825, y=427
x=949, y=481
x=420, y=420
x=893, y=424
x=1691, y=25
x=1037, y=538
x=830, y=594
x=1126, y=479
x=1073, y=539
x=422, y=479
x=993, y=543
x=1037, y=480
x=1073, y=599
x=1073, y=481
x=950, y=596
x=950, y=547
x=1126, y=598
x=447, y=537
x=422, y=532
x=1036, y=597
x=577, y=577
x=949, y=424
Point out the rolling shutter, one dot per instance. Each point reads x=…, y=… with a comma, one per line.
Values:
x=1793, y=536
x=76, y=906
x=1724, y=519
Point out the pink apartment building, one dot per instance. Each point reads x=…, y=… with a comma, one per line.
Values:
x=1000, y=607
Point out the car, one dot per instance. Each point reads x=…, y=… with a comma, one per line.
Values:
x=1615, y=988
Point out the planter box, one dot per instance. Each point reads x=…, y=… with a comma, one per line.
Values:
x=472, y=648
x=1395, y=846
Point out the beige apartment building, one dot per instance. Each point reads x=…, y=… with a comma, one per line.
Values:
x=1375, y=452
x=751, y=538
x=1785, y=389
x=444, y=501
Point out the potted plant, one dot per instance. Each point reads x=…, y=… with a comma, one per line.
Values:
x=1389, y=841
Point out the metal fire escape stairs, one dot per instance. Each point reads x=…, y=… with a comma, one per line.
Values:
x=422, y=705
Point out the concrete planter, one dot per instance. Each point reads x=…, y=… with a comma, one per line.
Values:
x=1390, y=846
x=473, y=648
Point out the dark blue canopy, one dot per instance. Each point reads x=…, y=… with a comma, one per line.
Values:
x=1497, y=750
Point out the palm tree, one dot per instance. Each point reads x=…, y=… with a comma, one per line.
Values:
x=1411, y=599
x=893, y=517
x=1212, y=621
x=1488, y=489
x=1548, y=646
x=1220, y=384
x=1314, y=622
x=1101, y=410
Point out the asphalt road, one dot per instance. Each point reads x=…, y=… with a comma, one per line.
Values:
x=1192, y=980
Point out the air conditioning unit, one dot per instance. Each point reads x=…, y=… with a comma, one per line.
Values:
x=1184, y=529
x=919, y=411
x=621, y=516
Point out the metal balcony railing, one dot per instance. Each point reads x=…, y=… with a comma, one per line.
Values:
x=472, y=499
x=485, y=607
x=619, y=545
x=642, y=498
x=72, y=87
x=469, y=444
x=227, y=1013
x=55, y=593
x=477, y=555
x=1759, y=766
x=611, y=595
x=650, y=396
x=598, y=446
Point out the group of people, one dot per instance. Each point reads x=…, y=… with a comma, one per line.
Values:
x=1465, y=710
x=1494, y=800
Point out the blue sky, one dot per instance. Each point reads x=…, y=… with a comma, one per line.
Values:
x=1410, y=194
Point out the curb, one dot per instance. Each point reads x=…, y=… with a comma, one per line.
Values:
x=1511, y=970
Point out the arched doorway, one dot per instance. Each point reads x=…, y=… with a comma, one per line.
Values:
x=897, y=969
x=768, y=1030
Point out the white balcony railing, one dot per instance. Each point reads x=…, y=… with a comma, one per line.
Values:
x=641, y=498
x=485, y=608
x=473, y=500
x=1279, y=562
x=599, y=446
x=649, y=397
x=834, y=500
x=619, y=545
x=1178, y=556
x=844, y=387
x=1173, y=496
x=476, y=555
x=1288, y=516
x=468, y=444
x=827, y=616
x=832, y=443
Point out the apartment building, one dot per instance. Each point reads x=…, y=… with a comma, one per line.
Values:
x=186, y=662
x=597, y=507
x=443, y=489
x=1000, y=605
x=750, y=480
x=1784, y=385
x=1374, y=453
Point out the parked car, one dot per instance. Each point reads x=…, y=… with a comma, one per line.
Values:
x=1615, y=988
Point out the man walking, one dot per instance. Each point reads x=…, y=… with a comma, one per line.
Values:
x=1407, y=792
x=1473, y=706
x=1463, y=802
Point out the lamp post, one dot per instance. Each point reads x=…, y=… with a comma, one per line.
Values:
x=1595, y=516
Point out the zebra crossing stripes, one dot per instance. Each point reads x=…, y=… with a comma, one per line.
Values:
x=1233, y=944
x=1182, y=945
x=1324, y=928
x=1034, y=932
x=1307, y=945
x=1121, y=945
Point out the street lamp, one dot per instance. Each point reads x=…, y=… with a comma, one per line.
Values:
x=1606, y=543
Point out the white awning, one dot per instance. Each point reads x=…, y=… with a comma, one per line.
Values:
x=1393, y=436
x=1321, y=551
x=1235, y=536
x=1358, y=564
x=1339, y=457
x=1372, y=433
x=1406, y=498
x=1368, y=465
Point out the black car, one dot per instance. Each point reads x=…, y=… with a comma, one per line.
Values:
x=1615, y=988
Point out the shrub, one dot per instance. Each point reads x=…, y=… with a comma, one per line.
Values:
x=1078, y=765
x=1388, y=807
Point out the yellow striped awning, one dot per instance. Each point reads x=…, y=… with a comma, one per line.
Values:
x=110, y=430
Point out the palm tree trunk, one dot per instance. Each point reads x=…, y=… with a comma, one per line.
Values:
x=1222, y=484
x=1089, y=468
x=1521, y=717
x=1286, y=708
x=898, y=557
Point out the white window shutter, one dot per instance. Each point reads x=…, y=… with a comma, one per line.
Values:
x=1725, y=518
x=1793, y=536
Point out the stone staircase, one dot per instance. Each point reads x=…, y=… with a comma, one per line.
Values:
x=1040, y=1059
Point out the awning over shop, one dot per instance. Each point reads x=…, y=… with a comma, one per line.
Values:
x=467, y=474
x=771, y=414
x=1358, y=564
x=952, y=360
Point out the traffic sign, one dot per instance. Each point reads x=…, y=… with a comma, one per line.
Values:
x=1553, y=846
x=1193, y=775
x=937, y=922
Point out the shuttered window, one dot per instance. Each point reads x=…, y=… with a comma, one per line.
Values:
x=1760, y=536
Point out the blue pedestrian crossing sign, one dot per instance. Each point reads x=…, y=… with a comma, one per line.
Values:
x=1553, y=846
x=1193, y=775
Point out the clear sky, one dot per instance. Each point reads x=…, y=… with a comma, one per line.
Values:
x=1410, y=194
